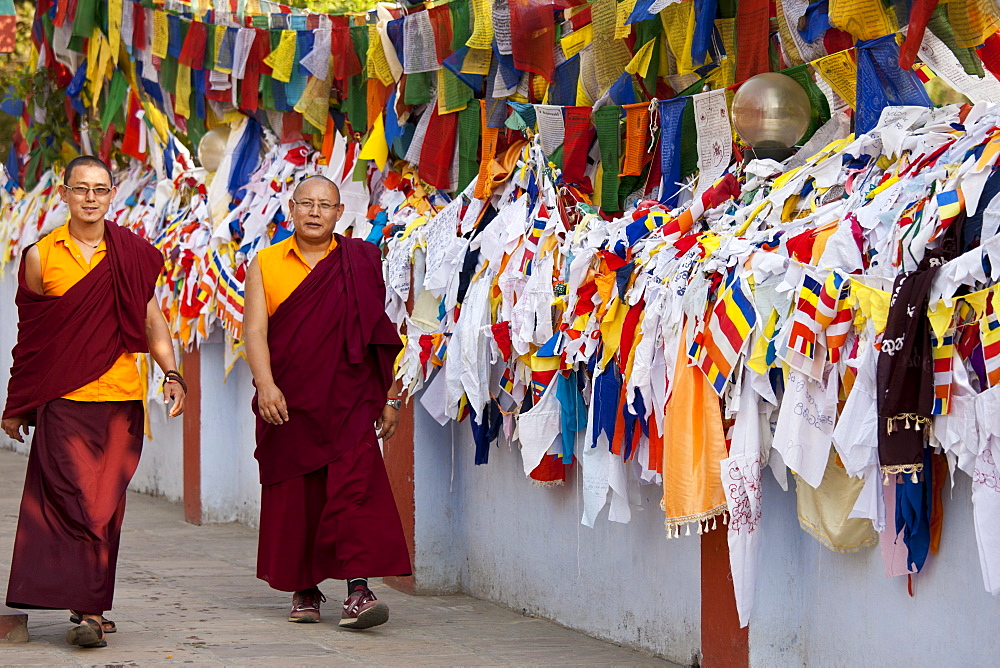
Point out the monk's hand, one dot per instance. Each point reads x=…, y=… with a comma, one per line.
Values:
x=387, y=422
x=174, y=391
x=13, y=427
x=271, y=404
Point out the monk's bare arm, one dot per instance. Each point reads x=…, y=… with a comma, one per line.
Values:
x=33, y=270
x=270, y=401
x=162, y=350
x=14, y=426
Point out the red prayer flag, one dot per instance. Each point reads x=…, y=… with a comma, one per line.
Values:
x=532, y=34
x=753, y=22
x=579, y=136
x=440, y=17
x=438, y=151
x=193, y=51
x=989, y=53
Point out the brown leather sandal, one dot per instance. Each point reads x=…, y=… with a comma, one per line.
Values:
x=107, y=625
x=87, y=633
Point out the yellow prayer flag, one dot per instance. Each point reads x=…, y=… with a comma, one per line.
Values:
x=182, y=96
x=220, y=34
x=841, y=72
x=477, y=61
x=114, y=27
x=375, y=147
x=482, y=31
x=872, y=304
x=940, y=316
x=678, y=24
x=378, y=64
x=314, y=103
x=973, y=21
x=641, y=60
x=724, y=75
x=574, y=42
x=863, y=19
x=161, y=34
x=622, y=11
x=282, y=59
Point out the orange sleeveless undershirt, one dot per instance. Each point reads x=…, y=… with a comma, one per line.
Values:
x=283, y=268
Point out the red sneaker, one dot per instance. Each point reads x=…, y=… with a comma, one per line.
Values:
x=363, y=611
x=305, y=606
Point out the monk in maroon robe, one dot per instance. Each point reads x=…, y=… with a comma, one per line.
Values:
x=83, y=311
x=321, y=349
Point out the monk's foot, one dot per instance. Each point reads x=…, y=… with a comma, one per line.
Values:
x=107, y=625
x=363, y=611
x=305, y=606
x=87, y=633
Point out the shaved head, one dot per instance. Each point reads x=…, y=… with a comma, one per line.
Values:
x=317, y=182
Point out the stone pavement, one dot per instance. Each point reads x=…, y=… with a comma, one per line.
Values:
x=188, y=595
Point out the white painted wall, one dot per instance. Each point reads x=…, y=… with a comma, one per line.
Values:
x=818, y=608
x=230, y=484
x=495, y=535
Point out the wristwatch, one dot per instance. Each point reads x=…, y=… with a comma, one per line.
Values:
x=395, y=403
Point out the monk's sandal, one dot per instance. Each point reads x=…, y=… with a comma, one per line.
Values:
x=305, y=606
x=362, y=610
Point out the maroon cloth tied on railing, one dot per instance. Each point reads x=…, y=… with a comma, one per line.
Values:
x=332, y=351
x=65, y=342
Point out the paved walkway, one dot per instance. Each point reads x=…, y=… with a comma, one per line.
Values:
x=188, y=595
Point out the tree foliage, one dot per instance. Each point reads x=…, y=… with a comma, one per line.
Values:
x=15, y=80
x=335, y=6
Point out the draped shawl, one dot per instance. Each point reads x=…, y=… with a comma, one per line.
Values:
x=332, y=350
x=65, y=342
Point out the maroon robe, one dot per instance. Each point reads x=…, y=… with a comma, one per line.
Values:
x=65, y=342
x=83, y=454
x=332, y=351
x=327, y=510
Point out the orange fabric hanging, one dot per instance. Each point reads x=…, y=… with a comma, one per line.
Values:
x=693, y=447
x=636, y=139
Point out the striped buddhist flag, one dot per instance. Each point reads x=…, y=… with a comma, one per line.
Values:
x=531, y=242
x=942, y=349
x=725, y=335
x=804, y=326
x=989, y=332
x=950, y=204
x=507, y=382
x=923, y=72
x=229, y=303
x=834, y=314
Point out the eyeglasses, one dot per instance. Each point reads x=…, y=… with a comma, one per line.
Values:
x=81, y=191
x=325, y=207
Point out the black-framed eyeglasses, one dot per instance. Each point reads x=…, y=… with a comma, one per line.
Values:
x=325, y=207
x=81, y=191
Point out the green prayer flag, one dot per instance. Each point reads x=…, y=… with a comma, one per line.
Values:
x=417, y=89
x=606, y=120
x=209, y=62
x=942, y=29
x=168, y=74
x=468, y=144
x=461, y=26
x=817, y=101
x=115, y=99
x=455, y=92
x=85, y=19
